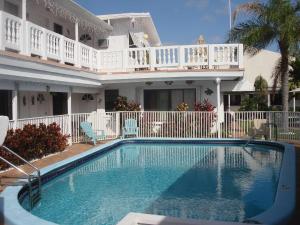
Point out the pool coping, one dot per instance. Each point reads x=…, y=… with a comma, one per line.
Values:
x=278, y=213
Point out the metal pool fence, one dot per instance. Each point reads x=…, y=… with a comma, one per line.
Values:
x=163, y=124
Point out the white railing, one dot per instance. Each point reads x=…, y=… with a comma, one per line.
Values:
x=31, y=39
x=176, y=124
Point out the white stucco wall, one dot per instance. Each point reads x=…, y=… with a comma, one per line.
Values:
x=30, y=107
x=261, y=64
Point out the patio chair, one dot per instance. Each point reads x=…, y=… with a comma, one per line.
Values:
x=92, y=134
x=130, y=128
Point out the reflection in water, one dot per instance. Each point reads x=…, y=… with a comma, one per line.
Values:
x=181, y=180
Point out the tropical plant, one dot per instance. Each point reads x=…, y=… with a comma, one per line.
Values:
x=204, y=106
x=182, y=107
x=122, y=104
x=33, y=142
x=270, y=22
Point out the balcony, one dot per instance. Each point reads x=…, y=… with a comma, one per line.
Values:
x=29, y=39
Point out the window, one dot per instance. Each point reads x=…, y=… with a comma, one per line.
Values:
x=103, y=43
x=6, y=106
x=235, y=100
x=168, y=99
x=58, y=28
x=11, y=8
x=110, y=99
x=276, y=99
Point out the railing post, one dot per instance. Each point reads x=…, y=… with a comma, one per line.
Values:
x=44, y=44
x=61, y=49
x=76, y=47
x=125, y=60
x=152, y=60
x=211, y=56
x=118, y=125
x=241, y=56
x=24, y=31
x=181, y=55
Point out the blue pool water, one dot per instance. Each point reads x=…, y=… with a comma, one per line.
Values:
x=196, y=181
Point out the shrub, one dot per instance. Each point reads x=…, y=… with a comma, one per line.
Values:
x=204, y=106
x=33, y=142
x=121, y=104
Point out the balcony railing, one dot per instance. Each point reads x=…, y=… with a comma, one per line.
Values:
x=30, y=39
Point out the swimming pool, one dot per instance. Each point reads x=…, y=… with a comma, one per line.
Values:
x=188, y=179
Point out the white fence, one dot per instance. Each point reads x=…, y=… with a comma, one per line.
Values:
x=176, y=124
x=31, y=39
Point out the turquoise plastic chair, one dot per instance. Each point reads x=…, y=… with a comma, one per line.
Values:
x=92, y=135
x=130, y=128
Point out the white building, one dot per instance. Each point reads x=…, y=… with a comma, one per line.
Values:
x=58, y=58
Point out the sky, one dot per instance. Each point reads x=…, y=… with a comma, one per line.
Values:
x=177, y=21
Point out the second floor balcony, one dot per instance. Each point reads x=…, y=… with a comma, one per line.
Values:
x=27, y=38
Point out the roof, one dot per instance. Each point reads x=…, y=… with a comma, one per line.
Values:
x=144, y=18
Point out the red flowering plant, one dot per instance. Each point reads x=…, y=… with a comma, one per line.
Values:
x=33, y=142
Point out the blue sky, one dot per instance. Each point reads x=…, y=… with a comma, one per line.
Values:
x=177, y=21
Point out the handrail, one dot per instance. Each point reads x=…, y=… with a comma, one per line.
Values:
x=24, y=160
x=17, y=168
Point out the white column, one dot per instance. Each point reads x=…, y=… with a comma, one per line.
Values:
x=229, y=106
x=24, y=36
x=294, y=101
x=15, y=110
x=269, y=100
x=218, y=82
x=77, y=46
x=70, y=114
x=100, y=98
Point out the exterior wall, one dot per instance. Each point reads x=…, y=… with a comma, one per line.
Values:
x=261, y=64
x=83, y=106
x=135, y=91
x=29, y=106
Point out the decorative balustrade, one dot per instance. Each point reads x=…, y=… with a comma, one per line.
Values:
x=30, y=39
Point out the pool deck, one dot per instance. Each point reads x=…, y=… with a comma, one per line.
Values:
x=79, y=148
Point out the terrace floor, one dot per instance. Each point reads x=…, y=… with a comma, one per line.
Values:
x=79, y=148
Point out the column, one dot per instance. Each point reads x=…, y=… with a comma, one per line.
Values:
x=294, y=101
x=24, y=36
x=15, y=110
x=70, y=114
x=1, y=26
x=218, y=82
x=269, y=100
x=229, y=103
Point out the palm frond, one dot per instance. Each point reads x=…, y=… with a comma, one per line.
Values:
x=254, y=34
x=251, y=8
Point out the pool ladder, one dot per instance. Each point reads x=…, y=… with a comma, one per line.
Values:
x=33, y=180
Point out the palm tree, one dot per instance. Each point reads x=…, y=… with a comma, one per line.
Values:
x=272, y=22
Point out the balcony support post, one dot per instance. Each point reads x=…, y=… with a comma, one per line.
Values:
x=218, y=82
x=69, y=102
x=2, y=27
x=15, y=103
